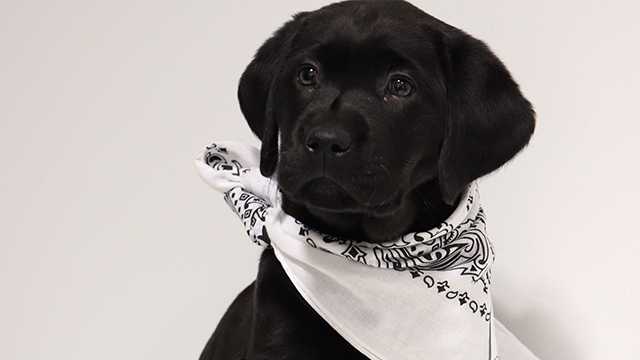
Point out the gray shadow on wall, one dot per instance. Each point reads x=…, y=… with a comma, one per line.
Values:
x=545, y=335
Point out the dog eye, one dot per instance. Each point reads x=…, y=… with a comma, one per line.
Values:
x=400, y=86
x=308, y=75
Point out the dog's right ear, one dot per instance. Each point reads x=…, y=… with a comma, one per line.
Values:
x=255, y=92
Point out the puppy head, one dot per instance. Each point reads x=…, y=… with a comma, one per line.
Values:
x=360, y=102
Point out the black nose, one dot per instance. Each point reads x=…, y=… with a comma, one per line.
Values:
x=333, y=141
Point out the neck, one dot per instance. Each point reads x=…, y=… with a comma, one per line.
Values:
x=422, y=209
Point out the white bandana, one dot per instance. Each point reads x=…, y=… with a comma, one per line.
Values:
x=423, y=295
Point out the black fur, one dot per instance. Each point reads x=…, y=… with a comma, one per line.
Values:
x=356, y=158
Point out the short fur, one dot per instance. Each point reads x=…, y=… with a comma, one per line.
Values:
x=392, y=164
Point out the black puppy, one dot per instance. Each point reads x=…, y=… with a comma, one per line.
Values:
x=375, y=117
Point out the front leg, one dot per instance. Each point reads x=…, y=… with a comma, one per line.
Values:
x=285, y=326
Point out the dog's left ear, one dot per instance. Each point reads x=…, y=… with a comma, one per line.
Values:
x=489, y=119
x=256, y=89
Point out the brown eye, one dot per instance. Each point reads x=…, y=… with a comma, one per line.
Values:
x=400, y=86
x=308, y=75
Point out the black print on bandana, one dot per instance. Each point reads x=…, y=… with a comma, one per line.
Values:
x=353, y=252
x=214, y=158
x=252, y=211
x=461, y=297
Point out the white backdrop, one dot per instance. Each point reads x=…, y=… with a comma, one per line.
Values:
x=107, y=247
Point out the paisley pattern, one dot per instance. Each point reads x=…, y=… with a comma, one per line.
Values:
x=252, y=211
x=216, y=158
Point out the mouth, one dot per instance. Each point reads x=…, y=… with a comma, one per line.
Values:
x=326, y=194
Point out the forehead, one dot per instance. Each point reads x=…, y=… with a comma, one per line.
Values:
x=366, y=33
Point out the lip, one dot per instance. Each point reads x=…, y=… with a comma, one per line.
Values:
x=324, y=193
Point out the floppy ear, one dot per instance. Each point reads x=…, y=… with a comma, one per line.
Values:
x=489, y=119
x=255, y=91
